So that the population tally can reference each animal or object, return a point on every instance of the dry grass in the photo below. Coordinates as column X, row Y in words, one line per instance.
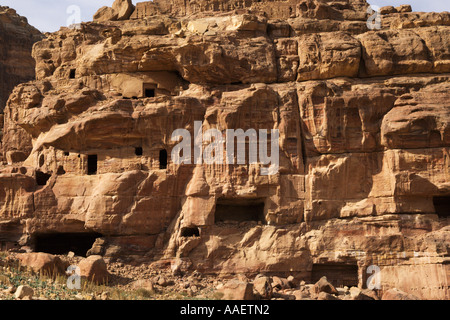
column 54, row 287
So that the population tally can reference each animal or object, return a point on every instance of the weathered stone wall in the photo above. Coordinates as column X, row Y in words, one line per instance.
column 364, row 140
column 16, row 64
column 274, row 9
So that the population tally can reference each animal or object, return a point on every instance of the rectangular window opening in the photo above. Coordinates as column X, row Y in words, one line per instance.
column 240, row 210
column 163, row 159
column 149, row 93
column 92, row 164
column 149, row 90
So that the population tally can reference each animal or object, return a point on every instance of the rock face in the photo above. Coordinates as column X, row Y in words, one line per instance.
column 16, row 64
column 362, row 191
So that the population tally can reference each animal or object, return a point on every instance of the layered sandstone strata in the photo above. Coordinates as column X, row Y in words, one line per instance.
column 16, row 64
column 363, row 117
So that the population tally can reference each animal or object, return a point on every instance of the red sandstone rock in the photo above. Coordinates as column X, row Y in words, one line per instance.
column 16, row 64
column 94, row 269
column 237, row 290
column 363, row 121
column 324, row 286
column 262, row 287
column 43, row 263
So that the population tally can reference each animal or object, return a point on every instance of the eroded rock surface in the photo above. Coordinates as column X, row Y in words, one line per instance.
column 16, row 63
column 363, row 119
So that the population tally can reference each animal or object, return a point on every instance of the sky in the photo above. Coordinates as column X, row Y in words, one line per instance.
column 50, row 15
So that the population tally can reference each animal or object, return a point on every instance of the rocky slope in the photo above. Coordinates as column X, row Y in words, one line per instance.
column 16, row 63
column 363, row 117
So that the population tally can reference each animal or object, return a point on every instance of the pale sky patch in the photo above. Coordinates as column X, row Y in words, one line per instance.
column 50, row 15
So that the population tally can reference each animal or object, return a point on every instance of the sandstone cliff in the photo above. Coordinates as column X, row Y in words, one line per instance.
column 16, row 64
column 363, row 117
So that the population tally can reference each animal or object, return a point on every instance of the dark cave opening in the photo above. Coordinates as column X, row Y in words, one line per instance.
column 442, row 206
column 240, row 210
column 42, row 178
column 149, row 93
column 41, row 160
column 138, row 151
column 163, row 159
column 339, row 275
column 72, row 73
column 62, row 243
column 92, row 164
column 190, row 232
column 60, row 171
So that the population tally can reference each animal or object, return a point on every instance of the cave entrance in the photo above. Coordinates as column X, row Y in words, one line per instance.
column 72, row 73
column 62, row 243
column 240, row 210
column 442, row 206
column 92, row 164
column 190, row 232
column 339, row 275
column 42, row 178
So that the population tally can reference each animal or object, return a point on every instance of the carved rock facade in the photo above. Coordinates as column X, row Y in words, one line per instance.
column 364, row 122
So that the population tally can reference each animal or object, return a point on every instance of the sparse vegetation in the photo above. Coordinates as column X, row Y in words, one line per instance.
column 54, row 286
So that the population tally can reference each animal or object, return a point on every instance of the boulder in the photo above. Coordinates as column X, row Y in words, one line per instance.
column 404, row 8
column 301, row 294
column 323, row 285
column 370, row 294
column 387, row 10
column 120, row 10
column 280, row 283
column 123, row 9
column 292, row 282
column 163, row 282
column 179, row 266
column 146, row 284
column 94, row 269
column 105, row 14
column 262, row 287
column 358, row 294
column 237, row 290
column 44, row 263
column 24, row 292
